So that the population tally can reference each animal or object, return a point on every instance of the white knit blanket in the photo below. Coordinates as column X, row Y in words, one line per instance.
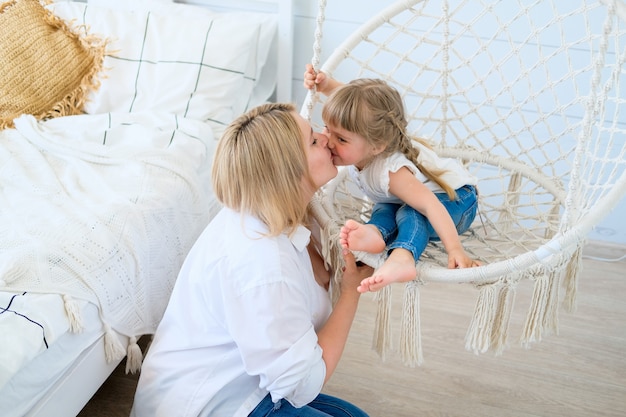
column 103, row 208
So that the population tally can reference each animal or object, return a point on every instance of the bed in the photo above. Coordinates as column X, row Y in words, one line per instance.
column 103, row 192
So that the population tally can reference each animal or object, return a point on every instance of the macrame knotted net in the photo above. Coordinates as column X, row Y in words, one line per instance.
column 530, row 96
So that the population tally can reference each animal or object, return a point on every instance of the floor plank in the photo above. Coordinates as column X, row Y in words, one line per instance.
column 579, row 372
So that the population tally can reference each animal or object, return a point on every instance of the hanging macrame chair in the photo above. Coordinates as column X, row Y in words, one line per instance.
column 530, row 96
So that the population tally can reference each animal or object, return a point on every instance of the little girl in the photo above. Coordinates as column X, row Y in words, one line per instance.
column 418, row 195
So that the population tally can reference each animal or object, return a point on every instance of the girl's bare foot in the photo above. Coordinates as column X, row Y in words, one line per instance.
column 399, row 267
column 361, row 237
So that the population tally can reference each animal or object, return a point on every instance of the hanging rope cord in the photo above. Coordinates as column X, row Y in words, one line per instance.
column 317, row 52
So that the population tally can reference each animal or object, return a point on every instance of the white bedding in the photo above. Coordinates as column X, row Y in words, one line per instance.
column 29, row 323
column 98, row 211
column 178, row 58
column 101, row 208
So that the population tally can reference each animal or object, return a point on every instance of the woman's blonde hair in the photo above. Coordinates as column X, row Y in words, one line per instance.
column 374, row 110
column 259, row 165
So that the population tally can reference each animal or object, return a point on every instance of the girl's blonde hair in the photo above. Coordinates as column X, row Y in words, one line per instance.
column 259, row 165
column 374, row 110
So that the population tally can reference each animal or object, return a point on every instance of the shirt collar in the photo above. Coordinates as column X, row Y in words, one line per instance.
column 300, row 238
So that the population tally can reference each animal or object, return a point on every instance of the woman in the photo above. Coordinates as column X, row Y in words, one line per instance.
column 249, row 329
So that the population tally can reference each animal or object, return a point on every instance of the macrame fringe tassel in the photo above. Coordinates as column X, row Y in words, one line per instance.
column 10, row 272
column 382, row 328
column 113, row 349
column 331, row 253
column 532, row 328
column 542, row 314
column 73, row 314
column 411, row 336
column 506, row 217
column 479, row 333
column 329, row 246
column 134, row 356
column 551, row 317
column 570, row 281
column 500, row 331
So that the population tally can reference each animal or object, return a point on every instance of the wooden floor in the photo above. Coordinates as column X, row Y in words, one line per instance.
column 579, row 372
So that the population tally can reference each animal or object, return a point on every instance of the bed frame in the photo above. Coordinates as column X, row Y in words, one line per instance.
column 78, row 384
column 81, row 381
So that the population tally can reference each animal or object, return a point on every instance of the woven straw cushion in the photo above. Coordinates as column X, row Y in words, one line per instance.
column 47, row 68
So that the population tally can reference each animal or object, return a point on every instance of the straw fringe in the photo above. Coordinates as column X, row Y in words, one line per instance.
column 49, row 67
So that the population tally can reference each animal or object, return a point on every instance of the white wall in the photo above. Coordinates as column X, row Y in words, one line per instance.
column 342, row 17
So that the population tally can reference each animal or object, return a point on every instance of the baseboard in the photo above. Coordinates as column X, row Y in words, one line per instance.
column 602, row 250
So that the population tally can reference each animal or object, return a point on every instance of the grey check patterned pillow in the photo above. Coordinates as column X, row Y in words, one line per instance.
column 197, row 68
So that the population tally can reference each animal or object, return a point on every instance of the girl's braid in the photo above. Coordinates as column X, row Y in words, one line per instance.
column 405, row 145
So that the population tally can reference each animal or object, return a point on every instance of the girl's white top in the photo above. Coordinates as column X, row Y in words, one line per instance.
column 373, row 180
column 241, row 323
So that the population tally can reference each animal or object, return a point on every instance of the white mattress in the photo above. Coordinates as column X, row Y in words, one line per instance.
column 27, row 375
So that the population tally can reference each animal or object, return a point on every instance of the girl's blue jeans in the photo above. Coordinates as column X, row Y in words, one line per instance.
column 404, row 227
column 322, row 406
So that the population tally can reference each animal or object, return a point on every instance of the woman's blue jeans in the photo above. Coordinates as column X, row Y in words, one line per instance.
column 404, row 227
column 322, row 406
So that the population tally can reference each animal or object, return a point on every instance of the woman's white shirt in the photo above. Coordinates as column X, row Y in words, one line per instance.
column 241, row 323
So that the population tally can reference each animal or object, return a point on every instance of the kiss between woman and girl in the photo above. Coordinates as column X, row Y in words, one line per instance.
column 250, row 330
column 417, row 195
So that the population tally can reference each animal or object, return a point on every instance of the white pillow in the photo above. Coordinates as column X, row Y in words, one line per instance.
column 201, row 66
column 265, row 62
column 263, row 67
column 124, row 4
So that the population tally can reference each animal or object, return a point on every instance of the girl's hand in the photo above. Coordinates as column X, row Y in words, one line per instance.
column 459, row 259
column 311, row 79
column 319, row 80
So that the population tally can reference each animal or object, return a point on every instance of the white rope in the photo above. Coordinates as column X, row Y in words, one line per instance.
column 446, row 69
column 317, row 44
column 317, row 52
column 591, row 111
